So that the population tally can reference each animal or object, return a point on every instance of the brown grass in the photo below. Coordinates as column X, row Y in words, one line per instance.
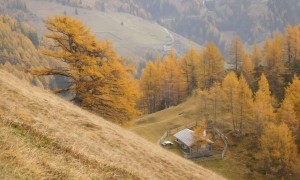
column 43, row 136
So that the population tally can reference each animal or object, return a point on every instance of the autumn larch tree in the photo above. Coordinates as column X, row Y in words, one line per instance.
column 149, row 84
column 245, row 104
column 230, row 87
column 215, row 102
column 287, row 115
column 211, row 66
column 275, row 68
column 98, row 79
column 264, row 112
column 256, row 56
column 291, row 47
column 173, row 84
column 279, row 152
column 236, row 53
column 247, row 70
column 292, row 94
column 199, row 135
column 188, row 64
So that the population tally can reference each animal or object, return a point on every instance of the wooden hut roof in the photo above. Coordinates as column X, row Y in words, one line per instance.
column 185, row 136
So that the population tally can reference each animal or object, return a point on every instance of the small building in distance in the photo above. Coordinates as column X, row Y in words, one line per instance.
column 190, row 149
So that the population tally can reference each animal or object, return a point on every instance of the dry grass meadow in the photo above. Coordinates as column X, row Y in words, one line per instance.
column 44, row 137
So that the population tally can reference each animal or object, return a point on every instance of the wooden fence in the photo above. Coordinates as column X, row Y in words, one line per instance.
column 162, row 139
column 224, row 138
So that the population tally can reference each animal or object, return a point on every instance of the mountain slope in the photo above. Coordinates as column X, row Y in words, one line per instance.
column 43, row 136
column 133, row 37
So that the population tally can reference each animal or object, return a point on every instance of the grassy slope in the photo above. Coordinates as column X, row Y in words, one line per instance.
column 239, row 161
column 153, row 126
column 132, row 39
column 43, row 136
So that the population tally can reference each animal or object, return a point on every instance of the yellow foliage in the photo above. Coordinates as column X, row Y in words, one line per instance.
column 211, row 67
column 230, row 87
column 264, row 111
column 100, row 80
column 256, row 56
column 198, row 135
column 278, row 154
column 236, row 53
column 287, row 115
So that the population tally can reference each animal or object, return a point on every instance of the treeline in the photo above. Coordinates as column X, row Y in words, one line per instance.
column 167, row 83
column 278, row 59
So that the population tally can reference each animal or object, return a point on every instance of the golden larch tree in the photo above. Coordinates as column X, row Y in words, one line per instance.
column 264, row 112
column 230, row 87
column 246, row 104
column 279, row 152
column 287, row 115
column 215, row 102
column 188, row 64
column 211, row 66
column 173, row 83
column 275, row 66
column 149, row 84
column 236, row 53
column 291, row 46
column 199, row 135
column 98, row 79
column 256, row 56
column 292, row 93
column 247, row 70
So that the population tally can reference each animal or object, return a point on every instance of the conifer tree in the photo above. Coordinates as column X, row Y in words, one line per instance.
column 99, row 80
column 287, row 115
column 199, row 132
column 291, row 47
column 275, row 67
column 173, row 84
column 188, row 65
column 230, row 87
column 292, row 94
column 264, row 112
column 216, row 101
column 246, row 111
column 211, row 66
column 256, row 56
column 236, row 53
column 278, row 154
column 247, row 69
column 150, row 87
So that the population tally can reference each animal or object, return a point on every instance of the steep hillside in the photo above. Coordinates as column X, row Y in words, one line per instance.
column 43, row 136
